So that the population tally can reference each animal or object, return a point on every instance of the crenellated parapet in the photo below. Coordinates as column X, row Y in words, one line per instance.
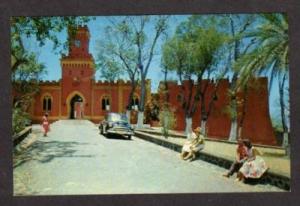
column 50, row 83
column 255, row 82
column 112, row 83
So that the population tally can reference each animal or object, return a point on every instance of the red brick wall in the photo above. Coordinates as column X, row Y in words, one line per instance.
column 52, row 90
column 219, row 123
column 257, row 123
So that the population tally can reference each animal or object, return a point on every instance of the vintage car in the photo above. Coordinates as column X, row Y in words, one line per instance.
column 116, row 124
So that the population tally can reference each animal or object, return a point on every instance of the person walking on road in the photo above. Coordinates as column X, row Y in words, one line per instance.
column 241, row 157
column 191, row 147
column 45, row 124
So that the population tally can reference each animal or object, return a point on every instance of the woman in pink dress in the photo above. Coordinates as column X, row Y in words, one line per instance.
column 45, row 124
column 254, row 167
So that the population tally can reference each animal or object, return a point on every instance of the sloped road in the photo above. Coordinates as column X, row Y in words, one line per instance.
column 76, row 159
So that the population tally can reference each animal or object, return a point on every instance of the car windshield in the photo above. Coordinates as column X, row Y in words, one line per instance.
column 117, row 117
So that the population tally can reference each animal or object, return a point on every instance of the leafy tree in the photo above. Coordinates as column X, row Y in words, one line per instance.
column 145, row 50
column 237, row 26
column 117, row 57
column 135, row 47
column 269, row 56
column 192, row 54
column 167, row 121
column 152, row 108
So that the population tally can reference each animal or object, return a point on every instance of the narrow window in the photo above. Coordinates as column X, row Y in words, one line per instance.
column 47, row 103
column 105, row 104
column 135, row 103
column 44, row 104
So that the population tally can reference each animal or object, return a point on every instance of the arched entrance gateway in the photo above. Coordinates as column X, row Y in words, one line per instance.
column 75, row 104
column 76, row 107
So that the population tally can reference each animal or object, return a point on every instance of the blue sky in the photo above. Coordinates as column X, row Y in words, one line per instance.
column 51, row 59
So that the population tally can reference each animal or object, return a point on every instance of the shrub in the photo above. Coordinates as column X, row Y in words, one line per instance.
column 167, row 121
column 20, row 120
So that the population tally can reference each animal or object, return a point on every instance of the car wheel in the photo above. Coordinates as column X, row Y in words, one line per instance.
column 129, row 137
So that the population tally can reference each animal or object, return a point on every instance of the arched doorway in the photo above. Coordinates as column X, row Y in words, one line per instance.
column 76, row 107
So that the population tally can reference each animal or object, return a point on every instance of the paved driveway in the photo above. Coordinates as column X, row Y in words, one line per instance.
column 76, row 159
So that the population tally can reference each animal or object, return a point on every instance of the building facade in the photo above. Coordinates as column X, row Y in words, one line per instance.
column 77, row 95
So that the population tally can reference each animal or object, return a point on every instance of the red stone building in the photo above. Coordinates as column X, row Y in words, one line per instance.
column 257, row 124
column 77, row 95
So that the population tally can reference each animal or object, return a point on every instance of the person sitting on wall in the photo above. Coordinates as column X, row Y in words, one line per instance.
column 241, row 157
column 254, row 167
column 45, row 124
column 191, row 147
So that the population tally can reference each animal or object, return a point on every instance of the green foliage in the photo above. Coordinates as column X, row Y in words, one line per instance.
column 130, row 45
column 277, row 126
column 20, row 120
column 44, row 28
column 110, row 69
column 192, row 50
column 271, row 51
column 167, row 121
column 116, row 55
column 152, row 108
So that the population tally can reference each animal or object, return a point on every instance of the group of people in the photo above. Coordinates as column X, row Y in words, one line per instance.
column 248, row 162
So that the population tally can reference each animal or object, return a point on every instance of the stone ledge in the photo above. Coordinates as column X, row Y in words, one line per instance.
column 270, row 177
column 178, row 135
column 21, row 135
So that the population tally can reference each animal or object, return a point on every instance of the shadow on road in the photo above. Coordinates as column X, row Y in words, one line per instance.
column 116, row 137
column 45, row 152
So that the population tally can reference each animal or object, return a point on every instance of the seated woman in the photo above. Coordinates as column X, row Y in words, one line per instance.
column 240, row 158
column 191, row 147
column 254, row 167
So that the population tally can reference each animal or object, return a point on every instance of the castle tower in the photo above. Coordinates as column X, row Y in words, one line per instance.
column 77, row 76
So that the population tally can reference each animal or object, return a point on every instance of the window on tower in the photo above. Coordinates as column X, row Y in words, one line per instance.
column 77, row 43
column 105, row 103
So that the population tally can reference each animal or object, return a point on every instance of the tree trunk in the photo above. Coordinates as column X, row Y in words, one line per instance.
column 140, row 121
column 233, row 130
column 166, row 89
column 285, row 142
column 241, row 123
column 128, row 113
column 129, row 101
column 142, row 103
column 188, row 125
column 203, row 126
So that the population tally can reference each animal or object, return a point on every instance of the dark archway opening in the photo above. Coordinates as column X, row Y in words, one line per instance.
column 73, row 101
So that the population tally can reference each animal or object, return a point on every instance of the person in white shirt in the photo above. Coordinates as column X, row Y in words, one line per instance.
column 191, row 147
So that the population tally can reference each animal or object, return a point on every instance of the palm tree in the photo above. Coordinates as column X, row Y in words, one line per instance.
column 270, row 55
